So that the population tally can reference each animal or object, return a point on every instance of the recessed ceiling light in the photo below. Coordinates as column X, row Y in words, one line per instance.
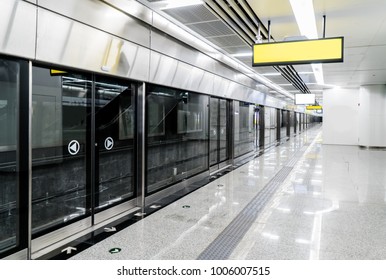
column 305, row 18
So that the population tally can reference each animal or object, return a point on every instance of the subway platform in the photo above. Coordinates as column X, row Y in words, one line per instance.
column 301, row 200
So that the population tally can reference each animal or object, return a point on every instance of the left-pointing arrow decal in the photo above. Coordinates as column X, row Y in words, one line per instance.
column 73, row 147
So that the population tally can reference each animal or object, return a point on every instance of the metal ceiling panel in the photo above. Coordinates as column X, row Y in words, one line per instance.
column 191, row 14
column 227, row 41
column 211, row 28
column 239, row 49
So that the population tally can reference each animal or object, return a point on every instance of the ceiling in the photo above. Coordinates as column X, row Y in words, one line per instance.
column 362, row 23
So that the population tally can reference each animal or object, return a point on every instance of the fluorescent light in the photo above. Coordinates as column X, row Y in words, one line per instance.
column 330, row 86
column 171, row 4
column 305, row 73
column 249, row 54
column 271, row 74
column 318, row 72
column 305, row 18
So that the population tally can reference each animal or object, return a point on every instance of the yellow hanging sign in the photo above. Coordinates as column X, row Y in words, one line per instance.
column 298, row 52
column 314, row 107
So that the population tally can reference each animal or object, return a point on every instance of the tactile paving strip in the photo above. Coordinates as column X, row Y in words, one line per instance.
column 222, row 247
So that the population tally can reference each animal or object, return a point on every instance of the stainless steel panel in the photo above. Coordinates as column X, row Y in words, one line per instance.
column 114, row 212
column 168, row 71
column 222, row 65
column 17, row 28
column 141, row 146
column 69, row 43
column 167, row 45
column 186, row 47
column 53, row 240
column 206, row 83
column 222, row 87
column 133, row 8
column 162, row 69
column 190, row 49
column 102, row 16
column 30, row 112
column 274, row 102
column 21, row 255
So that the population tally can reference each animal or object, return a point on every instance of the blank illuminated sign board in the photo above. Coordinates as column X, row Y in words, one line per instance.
column 314, row 107
column 304, row 99
column 298, row 52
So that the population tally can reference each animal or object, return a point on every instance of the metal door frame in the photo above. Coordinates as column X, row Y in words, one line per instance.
column 219, row 165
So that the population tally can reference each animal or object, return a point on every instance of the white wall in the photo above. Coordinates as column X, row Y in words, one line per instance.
column 340, row 116
column 372, row 116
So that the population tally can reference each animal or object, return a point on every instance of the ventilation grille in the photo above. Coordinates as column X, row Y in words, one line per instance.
column 211, row 29
column 204, row 22
column 191, row 14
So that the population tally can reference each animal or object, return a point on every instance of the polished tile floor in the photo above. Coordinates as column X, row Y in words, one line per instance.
column 301, row 200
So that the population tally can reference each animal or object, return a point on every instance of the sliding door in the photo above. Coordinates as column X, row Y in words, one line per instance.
column 13, row 157
column 219, row 133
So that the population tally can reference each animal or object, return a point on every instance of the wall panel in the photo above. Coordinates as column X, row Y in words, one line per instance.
column 103, row 17
column 340, row 116
column 17, row 28
column 66, row 42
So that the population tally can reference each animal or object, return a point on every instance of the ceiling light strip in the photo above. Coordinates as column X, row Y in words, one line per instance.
column 296, row 74
column 254, row 17
column 288, row 75
column 243, row 16
column 212, row 5
column 224, row 6
column 305, row 17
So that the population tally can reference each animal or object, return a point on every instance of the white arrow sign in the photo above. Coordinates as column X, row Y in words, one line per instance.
column 109, row 143
column 73, row 147
column 110, row 229
column 68, row 250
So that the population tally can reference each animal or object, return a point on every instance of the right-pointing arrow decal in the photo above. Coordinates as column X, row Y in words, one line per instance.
column 109, row 143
